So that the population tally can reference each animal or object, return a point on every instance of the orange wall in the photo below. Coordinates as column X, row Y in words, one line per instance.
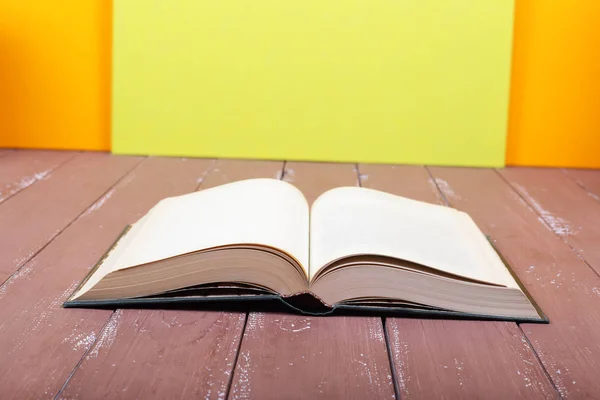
column 555, row 96
column 55, row 73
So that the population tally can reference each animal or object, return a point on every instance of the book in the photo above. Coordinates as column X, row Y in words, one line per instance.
column 355, row 250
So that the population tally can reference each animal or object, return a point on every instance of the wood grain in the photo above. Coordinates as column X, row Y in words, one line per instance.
column 21, row 169
column 553, row 196
column 465, row 360
column 454, row 359
column 589, row 179
column 42, row 342
column 170, row 354
column 312, row 357
column 566, row 289
column 296, row 357
column 160, row 355
column 29, row 220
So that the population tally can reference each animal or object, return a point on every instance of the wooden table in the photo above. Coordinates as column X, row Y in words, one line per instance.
column 59, row 211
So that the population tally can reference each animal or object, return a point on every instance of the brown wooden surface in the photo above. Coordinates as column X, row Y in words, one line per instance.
column 566, row 289
column 21, row 169
column 566, row 209
column 33, row 218
column 460, row 359
column 57, row 226
column 160, row 355
column 297, row 357
column 313, row 357
column 588, row 179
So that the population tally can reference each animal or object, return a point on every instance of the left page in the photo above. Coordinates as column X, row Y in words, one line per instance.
column 264, row 212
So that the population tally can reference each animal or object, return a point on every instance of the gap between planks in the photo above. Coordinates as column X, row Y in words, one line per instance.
column 539, row 360
column 386, row 335
column 61, row 230
column 543, row 219
column 423, row 186
column 32, row 177
column 279, row 176
column 313, row 357
column 559, row 280
column 533, row 350
column 588, row 180
column 111, row 318
column 234, row 172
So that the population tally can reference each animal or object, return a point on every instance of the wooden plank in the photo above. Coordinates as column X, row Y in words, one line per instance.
column 554, row 196
column 567, row 290
column 42, row 342
column 226, row 171
column 170, row 354
column 311, row 357
column 589, row 179
column 21, row 169
column 29, row 220
column 464, row 360
column 160, row 355
column 458, row 359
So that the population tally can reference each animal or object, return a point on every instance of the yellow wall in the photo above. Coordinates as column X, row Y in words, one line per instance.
column 420, row 81
column 555, row 94
column 55, row 73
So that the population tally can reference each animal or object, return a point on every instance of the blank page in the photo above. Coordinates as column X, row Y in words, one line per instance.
column 265, row 212
column 356, row 221
column 256, row 211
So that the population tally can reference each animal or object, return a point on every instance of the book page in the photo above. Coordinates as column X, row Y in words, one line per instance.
column 355, row 221
column 265, row 212
column 256, row 211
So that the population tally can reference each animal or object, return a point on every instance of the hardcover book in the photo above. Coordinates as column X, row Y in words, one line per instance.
column 355, row 250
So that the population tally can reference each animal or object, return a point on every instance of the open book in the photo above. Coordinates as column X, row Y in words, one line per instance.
column 354, row 249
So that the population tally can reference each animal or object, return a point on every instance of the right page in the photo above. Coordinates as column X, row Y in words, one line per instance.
column 358, row 221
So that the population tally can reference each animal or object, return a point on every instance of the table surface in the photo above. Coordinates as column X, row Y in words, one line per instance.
column 59, row 211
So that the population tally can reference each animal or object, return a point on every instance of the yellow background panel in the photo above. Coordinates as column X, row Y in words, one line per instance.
column 423, row 81
column 555, row 99
column 55, row 74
